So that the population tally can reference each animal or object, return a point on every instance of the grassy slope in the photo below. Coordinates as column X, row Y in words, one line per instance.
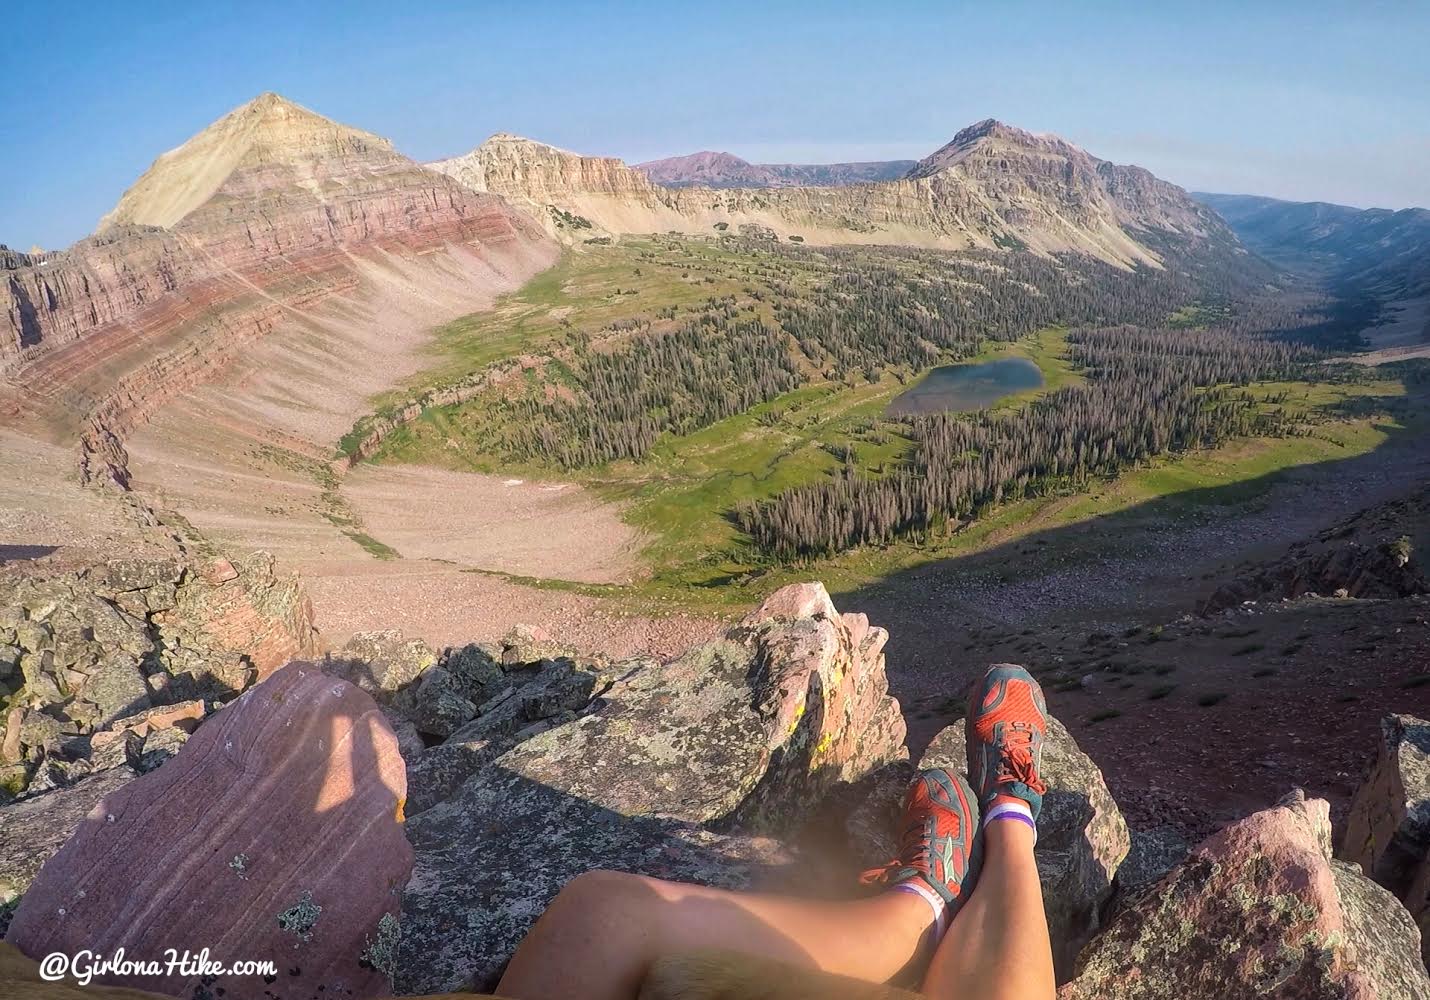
column 681, row 495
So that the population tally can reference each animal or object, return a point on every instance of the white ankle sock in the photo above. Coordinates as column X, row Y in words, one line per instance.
column 933, row 899
column 1017, row 810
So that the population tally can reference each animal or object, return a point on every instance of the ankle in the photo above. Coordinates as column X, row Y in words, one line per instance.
column 934, row 909
column 1010, row 832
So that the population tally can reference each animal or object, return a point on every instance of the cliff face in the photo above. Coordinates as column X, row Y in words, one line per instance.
column 991, row 187
column 570, row 194
column 264, row 216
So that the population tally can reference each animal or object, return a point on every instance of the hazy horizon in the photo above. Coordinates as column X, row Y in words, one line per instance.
column 1301, row 102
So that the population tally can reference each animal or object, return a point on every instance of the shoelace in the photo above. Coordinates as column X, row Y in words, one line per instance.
column 913, row 853
column 1015, row 763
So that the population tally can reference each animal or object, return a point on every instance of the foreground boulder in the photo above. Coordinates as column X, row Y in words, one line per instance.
column 1388, row 829
column 275, row 834
column 1259, row 910
column 1082, row 837
column 673, row 770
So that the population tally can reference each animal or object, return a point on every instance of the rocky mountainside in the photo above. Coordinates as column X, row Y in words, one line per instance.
column 1360, row 240
column 723, row 170
column 455, row 770
column 1381, row 253
column 992, row 187
column 251, row 228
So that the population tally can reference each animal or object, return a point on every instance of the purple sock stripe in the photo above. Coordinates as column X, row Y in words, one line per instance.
column 1014, row 814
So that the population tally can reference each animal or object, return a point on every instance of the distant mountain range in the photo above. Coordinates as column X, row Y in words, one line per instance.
column 275, row 218
column 992, row 187
column 725, row 170
column 1376, row 250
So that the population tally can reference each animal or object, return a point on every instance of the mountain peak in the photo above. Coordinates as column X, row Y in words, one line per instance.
column 268, row 130
column 966, row 140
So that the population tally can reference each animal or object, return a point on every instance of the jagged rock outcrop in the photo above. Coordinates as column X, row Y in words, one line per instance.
column 1370, row 554
column 724, row 170
column 90, row 651
column 658, row 772
column 265, row 215
column 1258, row 910
column 474, row 702
column 1082, row 837
column 992, row 187
column 1388, row 828
column 301, row 759
column 1348, row 570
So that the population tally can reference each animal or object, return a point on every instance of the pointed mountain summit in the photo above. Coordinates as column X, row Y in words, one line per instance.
column 987, row 134
column 276, row 251
column 269, row 131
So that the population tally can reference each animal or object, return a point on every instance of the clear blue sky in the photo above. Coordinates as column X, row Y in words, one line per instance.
column 1302, row 100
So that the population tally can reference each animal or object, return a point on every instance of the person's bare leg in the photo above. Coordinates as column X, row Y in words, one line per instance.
column 602, row 932
column 997, row 947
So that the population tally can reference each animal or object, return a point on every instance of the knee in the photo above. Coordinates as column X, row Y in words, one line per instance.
column 600, row 891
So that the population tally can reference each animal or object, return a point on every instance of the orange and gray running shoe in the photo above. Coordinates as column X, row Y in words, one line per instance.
column 940, row 848
column 1007, row 723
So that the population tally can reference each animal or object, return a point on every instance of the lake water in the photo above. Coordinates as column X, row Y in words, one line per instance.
column 967, row 387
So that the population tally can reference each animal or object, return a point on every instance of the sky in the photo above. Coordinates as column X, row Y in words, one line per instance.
column 1303, row 100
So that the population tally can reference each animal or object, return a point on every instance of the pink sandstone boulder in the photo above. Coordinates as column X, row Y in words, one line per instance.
column 1259, row 910
column 274, row 835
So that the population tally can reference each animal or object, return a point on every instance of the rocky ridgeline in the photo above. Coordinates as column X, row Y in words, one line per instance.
column 442, row 799
column 992, row 187
column 245, row 230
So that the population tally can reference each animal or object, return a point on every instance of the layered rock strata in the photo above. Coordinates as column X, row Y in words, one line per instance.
column 245, row 230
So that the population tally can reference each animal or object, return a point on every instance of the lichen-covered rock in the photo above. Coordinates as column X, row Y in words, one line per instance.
column 275, row 834
column 443, row 769
column 1153, row 854
column 749, row 732
column 513, row 714
column 438, row 705
column 528, row 644
column 491, row 859
column 117, row 688
column 96, row 644
column 477, row 670
column 1259, row 910
column 381, row 663
column 1388, row 828
column 1082, row 837
column 149, row 752
column 264, row 616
